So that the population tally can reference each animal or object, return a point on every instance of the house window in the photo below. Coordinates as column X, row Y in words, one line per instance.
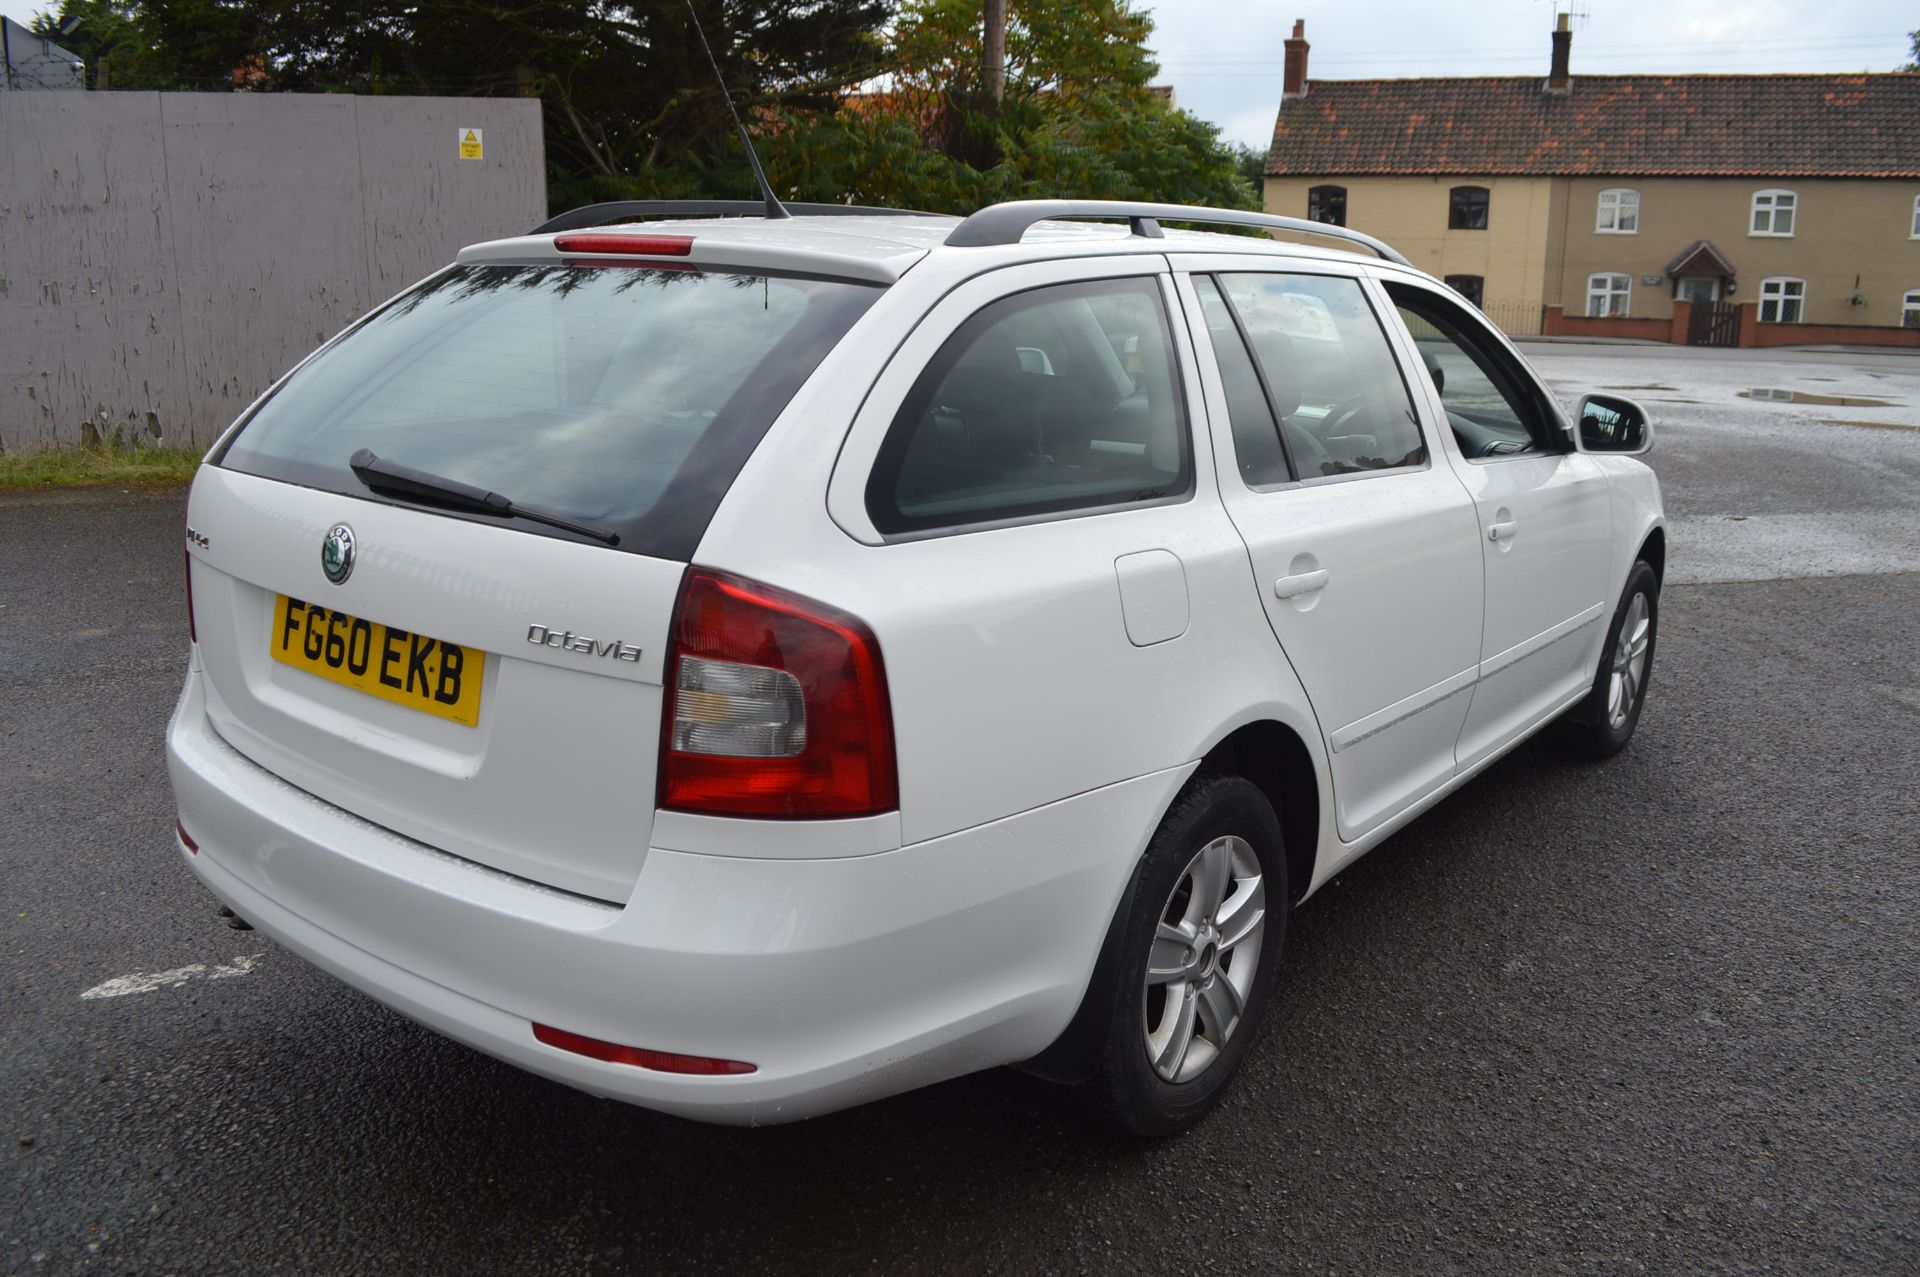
column 1467, row 209
column 1327, row 204
column 1910, row 309
column 1782, row 300
column 1471, row 287
column 1619, row 212
column 1608, row 294
column 1773, row 212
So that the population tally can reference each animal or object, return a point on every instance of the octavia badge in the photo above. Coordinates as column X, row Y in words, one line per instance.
column 336, row 553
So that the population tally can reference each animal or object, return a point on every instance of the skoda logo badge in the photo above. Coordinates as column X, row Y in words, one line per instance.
column 336, row 553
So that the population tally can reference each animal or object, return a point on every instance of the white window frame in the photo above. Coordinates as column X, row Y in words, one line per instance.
column 1910, row 309
column 1774, row 290
column 1915, row 234
column 1602, row 288
column 1771, row 204
column 1617, row 212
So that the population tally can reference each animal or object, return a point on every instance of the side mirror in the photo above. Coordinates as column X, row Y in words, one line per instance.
column 1608, row 423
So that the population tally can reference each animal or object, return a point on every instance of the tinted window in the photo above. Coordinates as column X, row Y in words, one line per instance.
column 1327, row 204
column 1335, row 386
column 1490, row 404
column 627, row 398
column 1471, row 287
column 1058, row 399
column 1467, row 208
column 1256, row 441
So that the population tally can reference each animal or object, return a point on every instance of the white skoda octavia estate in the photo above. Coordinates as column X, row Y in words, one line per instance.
column 751, row 665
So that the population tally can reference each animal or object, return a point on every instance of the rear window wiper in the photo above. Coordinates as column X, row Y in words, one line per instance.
column 404, row 481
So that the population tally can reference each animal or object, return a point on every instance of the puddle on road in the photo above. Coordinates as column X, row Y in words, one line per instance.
column 1870, row 425
column 1807, row 396
column 1652, row 385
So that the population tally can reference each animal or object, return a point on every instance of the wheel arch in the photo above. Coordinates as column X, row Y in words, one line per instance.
column 1654, row 551
column 1275, row 757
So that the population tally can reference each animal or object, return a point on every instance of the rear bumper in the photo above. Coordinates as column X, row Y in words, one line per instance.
column 842, row 980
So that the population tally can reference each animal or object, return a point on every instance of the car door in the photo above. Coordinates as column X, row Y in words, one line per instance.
column 1544, row 514
column 1364, row 547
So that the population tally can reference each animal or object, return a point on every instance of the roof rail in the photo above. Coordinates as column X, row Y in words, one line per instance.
column 1008, row 223
column 617, row 210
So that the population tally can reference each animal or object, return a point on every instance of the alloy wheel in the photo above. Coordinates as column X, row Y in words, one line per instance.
column 1629, row 662
column 1206, row 952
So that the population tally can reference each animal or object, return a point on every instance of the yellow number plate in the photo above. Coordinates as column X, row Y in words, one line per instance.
column 421, row 673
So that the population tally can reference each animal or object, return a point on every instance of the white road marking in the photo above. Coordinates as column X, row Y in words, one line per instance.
column 148, row 981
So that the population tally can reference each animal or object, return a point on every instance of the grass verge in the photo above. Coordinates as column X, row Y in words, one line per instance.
column 122, row 465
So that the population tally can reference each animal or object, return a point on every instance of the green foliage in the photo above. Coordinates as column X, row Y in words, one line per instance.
column 117, row 37
column 1076, row 120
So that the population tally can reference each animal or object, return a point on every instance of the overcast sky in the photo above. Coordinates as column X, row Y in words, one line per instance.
column 1223, row 57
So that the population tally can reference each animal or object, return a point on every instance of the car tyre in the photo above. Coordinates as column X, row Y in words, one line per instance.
column 1199, row 948
column 1601, row 725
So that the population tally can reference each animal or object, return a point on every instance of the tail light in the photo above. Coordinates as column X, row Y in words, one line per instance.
column 776, row 706
column 193, row 632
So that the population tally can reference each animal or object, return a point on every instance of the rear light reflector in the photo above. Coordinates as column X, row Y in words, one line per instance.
column 776, row 706
column 186, row 839
column 626, row 245
column 193, row 631
column 638, row 1056
column 747, row 711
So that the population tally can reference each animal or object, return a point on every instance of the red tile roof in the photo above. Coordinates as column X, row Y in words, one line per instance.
column 1626, row 125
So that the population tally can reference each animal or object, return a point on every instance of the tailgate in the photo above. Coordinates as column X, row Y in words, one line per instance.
column 554, row 779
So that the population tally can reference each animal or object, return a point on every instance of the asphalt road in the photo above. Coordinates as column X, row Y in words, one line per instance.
column 1653, row 1015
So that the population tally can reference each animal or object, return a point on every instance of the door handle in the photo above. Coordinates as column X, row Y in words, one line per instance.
column 1501, row 531
column 1288, row 587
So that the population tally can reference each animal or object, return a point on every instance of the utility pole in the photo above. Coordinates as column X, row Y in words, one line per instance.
column 996, row 50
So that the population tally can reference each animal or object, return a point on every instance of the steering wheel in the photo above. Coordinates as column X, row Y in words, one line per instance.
column 1338, row 417
column 1309, row 454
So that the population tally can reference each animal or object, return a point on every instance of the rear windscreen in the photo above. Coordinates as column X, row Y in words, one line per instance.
column 622, row 397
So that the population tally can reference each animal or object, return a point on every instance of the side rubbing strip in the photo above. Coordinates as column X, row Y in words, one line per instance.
column 1400, row 711
column 1541, row 642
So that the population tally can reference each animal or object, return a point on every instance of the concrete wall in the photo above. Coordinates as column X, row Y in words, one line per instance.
column 1850, row 237
column 165, row 256
column 1410, row 213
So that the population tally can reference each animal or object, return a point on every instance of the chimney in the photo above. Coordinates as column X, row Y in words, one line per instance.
column 1295, row 84
column 1559, row 79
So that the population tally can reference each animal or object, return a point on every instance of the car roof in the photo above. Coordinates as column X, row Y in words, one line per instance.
column 880, row 248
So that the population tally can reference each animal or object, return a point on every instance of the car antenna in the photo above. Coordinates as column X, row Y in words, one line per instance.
column 775, row 209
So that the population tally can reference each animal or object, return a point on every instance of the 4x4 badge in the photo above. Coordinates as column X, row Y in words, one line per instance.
column 336, row 553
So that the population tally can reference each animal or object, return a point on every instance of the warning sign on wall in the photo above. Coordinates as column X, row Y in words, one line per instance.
column 470, row 144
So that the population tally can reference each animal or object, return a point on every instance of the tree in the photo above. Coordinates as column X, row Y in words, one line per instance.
column 1913, row 38
column 1075, row 117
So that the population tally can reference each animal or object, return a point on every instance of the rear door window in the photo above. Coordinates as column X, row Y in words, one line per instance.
column 1059, row 399
column 623, row 397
